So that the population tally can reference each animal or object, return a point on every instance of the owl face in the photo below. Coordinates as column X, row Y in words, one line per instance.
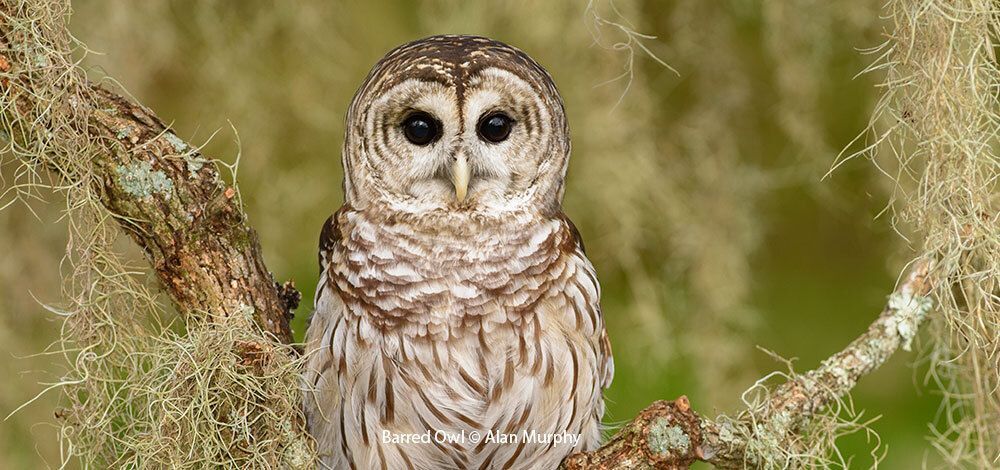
column 456, row 123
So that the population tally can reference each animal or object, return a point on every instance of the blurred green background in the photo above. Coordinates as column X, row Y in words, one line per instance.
column 700, row 194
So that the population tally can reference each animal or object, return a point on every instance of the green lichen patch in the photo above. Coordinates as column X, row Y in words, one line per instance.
column 912, row 310
column 139, row 180
column 194, row 165
column 123, row 132
column 194, row 161
column 664, row 438
column 175, row 142
column 41, row 59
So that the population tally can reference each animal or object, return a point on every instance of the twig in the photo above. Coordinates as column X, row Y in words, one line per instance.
column 671, row 435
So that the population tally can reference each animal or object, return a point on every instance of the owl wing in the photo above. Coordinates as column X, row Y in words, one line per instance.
column 322, row 401
column 329, row 238
column 589, row 301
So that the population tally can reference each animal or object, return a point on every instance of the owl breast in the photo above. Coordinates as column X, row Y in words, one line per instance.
column 455, row 350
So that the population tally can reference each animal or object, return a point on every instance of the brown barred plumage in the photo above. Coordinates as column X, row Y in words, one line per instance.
column 448, row 315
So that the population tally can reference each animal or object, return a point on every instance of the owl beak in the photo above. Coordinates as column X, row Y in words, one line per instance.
column 460, row 175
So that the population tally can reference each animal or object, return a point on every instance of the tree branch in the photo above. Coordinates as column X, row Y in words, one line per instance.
column 173, row 203
column 671, row 435
column 163, row 192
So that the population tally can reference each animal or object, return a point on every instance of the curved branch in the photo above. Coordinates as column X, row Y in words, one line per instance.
column 671, row 435
column 174, row 204
column 164, row 194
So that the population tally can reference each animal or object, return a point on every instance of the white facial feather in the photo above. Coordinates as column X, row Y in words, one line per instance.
column 522, row 172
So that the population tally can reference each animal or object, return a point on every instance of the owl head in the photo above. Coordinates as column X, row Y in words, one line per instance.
column 456, row 124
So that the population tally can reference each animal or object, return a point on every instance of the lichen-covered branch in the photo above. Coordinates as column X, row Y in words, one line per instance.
column 137, row 393
column 672, row 435
column 165, row 195
column 173, row 203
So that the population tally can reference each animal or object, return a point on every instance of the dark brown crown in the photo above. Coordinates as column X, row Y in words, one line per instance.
column 450, row 59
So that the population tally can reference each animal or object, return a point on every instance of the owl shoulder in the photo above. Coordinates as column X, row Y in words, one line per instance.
column 330, row 237
column 575, row 238
column 591, row 301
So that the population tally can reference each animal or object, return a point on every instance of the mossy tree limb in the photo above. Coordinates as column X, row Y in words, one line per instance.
column 160, row 189
column 671, row 435
column 177, row 208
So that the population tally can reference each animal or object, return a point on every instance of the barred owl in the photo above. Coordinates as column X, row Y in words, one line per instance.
column 457, row 321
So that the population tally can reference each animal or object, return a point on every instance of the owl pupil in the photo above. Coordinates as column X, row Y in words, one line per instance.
column 495, row 127
column 421, row 129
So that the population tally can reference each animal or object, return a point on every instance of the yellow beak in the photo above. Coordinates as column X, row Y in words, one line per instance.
column 460, row 175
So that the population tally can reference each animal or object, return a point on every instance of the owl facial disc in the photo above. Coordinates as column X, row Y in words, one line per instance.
column 458, row 125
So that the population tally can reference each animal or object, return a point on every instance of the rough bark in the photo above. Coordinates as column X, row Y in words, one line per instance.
column 173, row 203
column 165, row 194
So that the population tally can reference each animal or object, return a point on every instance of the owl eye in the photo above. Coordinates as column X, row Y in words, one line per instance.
column 495, row 127
column 421, row 129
